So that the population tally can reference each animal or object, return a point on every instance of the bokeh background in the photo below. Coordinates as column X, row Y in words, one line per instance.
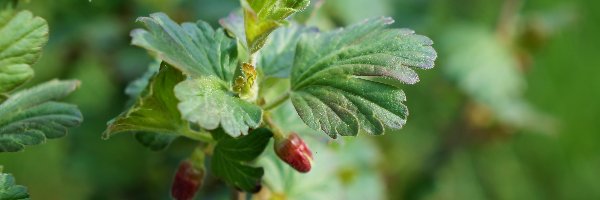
column 511, row 110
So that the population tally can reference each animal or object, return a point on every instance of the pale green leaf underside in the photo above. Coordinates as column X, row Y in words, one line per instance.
column 9, row 190
column 207, row 102
column 31, row 116
column 21, row 41
column 261, row 17
column 194, row 48
column 155, row 110
column 339, row 78
column 154, row 141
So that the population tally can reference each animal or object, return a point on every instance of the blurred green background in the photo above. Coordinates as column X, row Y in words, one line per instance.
column 509, row 112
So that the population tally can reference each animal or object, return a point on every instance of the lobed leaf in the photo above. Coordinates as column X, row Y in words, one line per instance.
column 23, row 36
column 348, row 80
column 194, row 48
column 155, row 110
column 30, row 116
column 261, row 17
column 231, row 157
column 209, row 57
column 208, row 102
column 9, row 190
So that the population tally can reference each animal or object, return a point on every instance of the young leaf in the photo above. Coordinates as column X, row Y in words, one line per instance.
column 339, row 78
column 23, row 36
column 261, row 17
column 30, row 116
column 194, row 48
column 208, row 102
column 231, row 155
column 208, row 56
column 155, row 110
column 277, row 56
column 9, row 190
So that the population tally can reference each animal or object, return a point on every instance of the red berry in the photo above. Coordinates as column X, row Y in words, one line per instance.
column 294, row 152
column 186, row 182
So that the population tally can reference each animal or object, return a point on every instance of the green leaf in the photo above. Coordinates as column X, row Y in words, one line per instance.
column 232, row 155
column 155, row 110
column 194, row 48
column 341, row 79
column 30, row 116
column 261, row 17
column 347, row 170
column 277, row 56
column 234, row 25
column 9, row 190
column 136, row 87
column 23, row 36
column 321, row 183
column 209, row 57
column 207, row 102
column 154, row 141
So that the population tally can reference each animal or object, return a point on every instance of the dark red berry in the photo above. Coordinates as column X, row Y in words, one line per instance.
column 294, row 152
column 186, row 182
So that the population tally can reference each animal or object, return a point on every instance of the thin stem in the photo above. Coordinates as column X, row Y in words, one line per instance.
column 198, row 135
column 197, row 158
column 277, row 133
column 280, row 100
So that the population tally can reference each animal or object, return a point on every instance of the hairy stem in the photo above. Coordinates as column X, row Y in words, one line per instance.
column 277, row 133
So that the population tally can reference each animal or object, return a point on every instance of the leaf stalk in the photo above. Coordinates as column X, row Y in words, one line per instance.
column 277, row 102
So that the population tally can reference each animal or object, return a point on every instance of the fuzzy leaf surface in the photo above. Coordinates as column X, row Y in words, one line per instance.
column 348, row 80
column 194, row 48
column 209, row 57
column 232, row 155
column 23, row 36
column 261, row 17
column 31, row 116
column 9, row 190
column 208, row 102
